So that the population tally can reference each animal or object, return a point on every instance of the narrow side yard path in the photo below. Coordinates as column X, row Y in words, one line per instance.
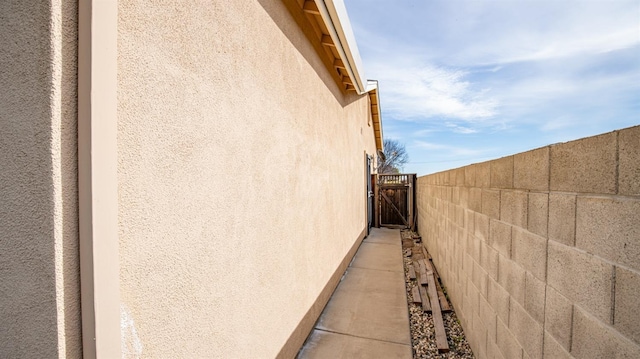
column 367, row 316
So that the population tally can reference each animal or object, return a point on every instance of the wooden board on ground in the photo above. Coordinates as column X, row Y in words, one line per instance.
column 438, row 322
column 444, row 304
column 426, row 304
column 423, row 271
column 412, row 272
column 415, row 293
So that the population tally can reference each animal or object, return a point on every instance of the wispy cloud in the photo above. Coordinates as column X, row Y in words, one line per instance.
column 426, row 91
column 450, row 150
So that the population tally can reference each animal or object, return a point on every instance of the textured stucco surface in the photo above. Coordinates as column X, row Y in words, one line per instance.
column 565, row 244
column 241, row 176
column 39, row 292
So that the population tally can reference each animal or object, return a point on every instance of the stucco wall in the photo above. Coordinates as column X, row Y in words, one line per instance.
column 39, row 275
column 540, row 251
column 241, row 176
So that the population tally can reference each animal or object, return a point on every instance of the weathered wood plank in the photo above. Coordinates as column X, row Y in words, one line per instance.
column 441, row 335
column 412, row 272
column 444, row 304
column 423, row 272
column 415, row 293
column 426, row 303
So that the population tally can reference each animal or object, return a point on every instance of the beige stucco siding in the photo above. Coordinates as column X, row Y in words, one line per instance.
column 241, row 176
column 39, row 275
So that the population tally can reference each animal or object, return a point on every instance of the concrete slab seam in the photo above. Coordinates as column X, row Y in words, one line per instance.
column 360, row 337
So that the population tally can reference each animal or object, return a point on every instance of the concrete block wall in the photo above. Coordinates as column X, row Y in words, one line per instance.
column 540, row 251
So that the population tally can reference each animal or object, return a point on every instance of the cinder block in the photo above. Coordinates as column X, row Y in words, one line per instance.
column 475, row 199
column 451, row 211
column 460, row 172
column 481, row 228
column 511, row 277
column 479, row 336
column 629, row 161
column 493, row 352
column 610, row 228
column 507, row 342
column 489, row 260
column 445, row 180
column 447, row 194
column 498, row 298
column 530, row 251
column 627, row 308
column 474, row 296
column 459, row 216
column 488, row 317
column 534, row 297
column 474, row 248
column 464, row 197
column 500, row 237
column 587, row 165
column 531, row 170
column 469, row 221
column 584, row 279
column 470, row 176
column 480, row 279
column 558, row 313
column 491, row 203
column 513, row 207
column 452, row 177
column 593, row 339
column 455, row 195
column 502, row 172
column 538, row 213
column 526, row 330
column 562, row 218
column 483, row 174
column 553, row 350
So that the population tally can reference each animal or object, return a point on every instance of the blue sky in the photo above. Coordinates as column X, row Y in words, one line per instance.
column 467, row 81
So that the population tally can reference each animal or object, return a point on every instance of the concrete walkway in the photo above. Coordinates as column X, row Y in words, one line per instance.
column 367, row 316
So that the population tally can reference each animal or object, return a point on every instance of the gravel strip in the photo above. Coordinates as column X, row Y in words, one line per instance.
column 423, row 337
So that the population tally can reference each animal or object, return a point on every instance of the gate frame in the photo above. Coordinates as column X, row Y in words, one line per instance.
column 405, row 180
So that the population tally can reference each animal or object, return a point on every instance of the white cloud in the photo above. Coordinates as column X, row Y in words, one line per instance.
column 460, row 129
column 425, row 91
column 449, row 150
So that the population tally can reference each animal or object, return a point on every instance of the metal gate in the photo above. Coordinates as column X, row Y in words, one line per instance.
column 396, row 200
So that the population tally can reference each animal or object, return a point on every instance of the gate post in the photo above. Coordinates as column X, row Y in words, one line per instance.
column 376, row 201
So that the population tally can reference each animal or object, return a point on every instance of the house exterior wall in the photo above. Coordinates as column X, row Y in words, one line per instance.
column 241, row 177
column 540, row 251
column 39, row 275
